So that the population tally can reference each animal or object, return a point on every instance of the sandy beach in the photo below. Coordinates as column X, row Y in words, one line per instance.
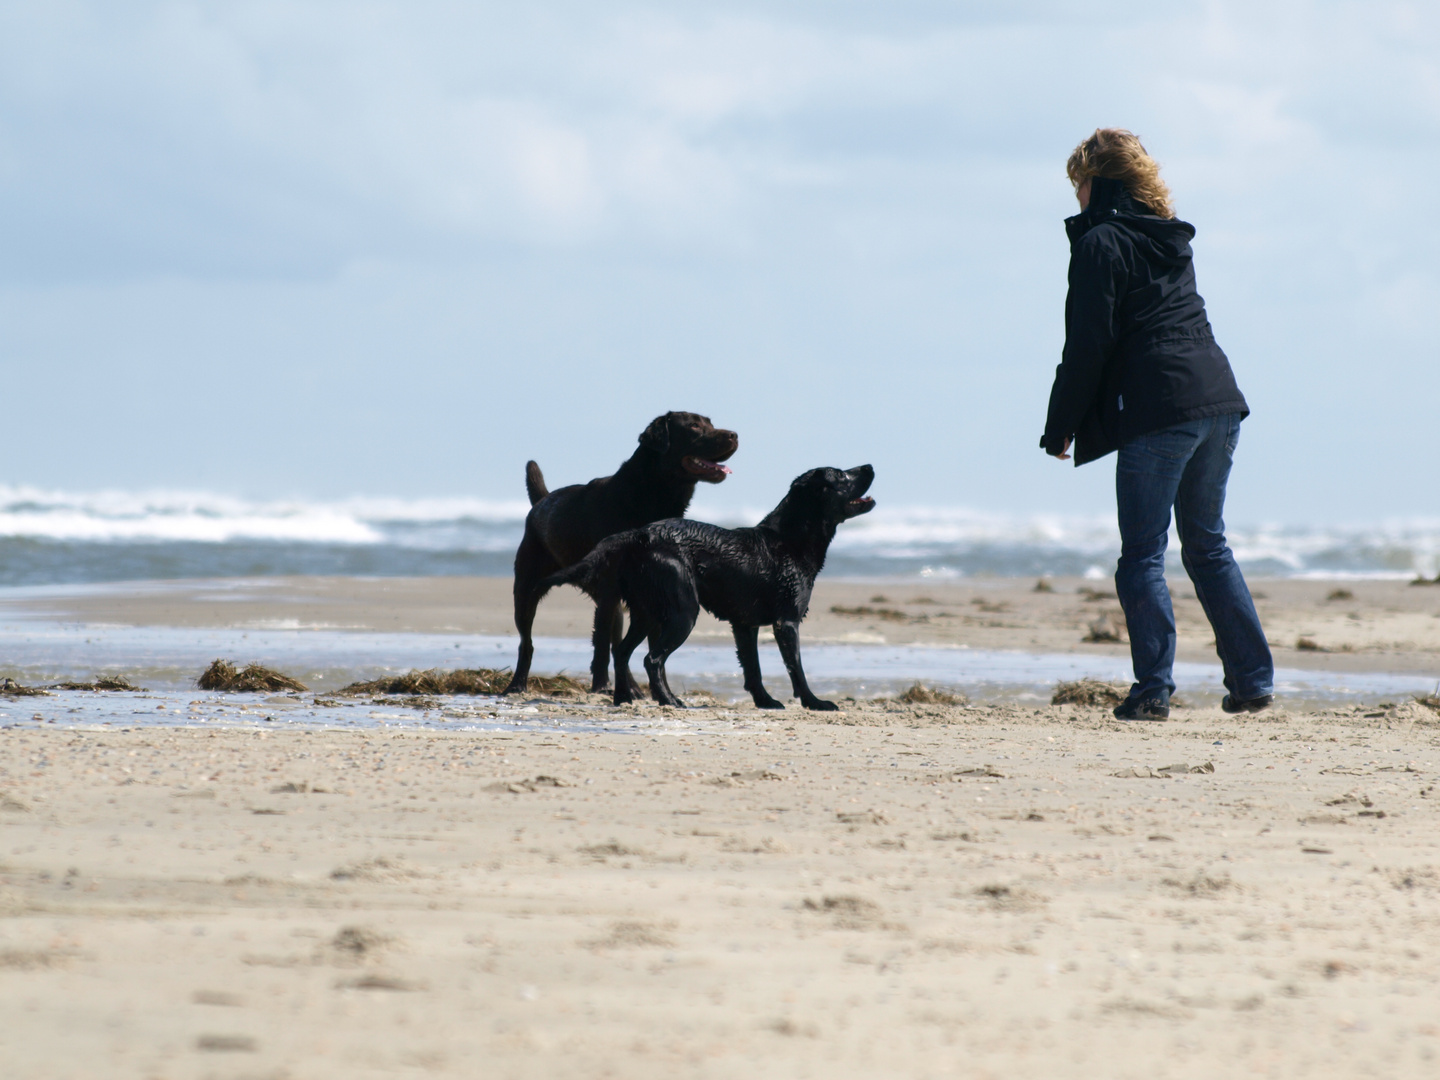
column 892, row 890
column 1353, row 625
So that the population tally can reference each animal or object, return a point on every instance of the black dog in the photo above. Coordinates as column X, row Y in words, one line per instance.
column 676, row 451
column 763, row 576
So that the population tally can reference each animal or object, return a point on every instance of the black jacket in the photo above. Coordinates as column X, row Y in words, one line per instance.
column 1139, row 352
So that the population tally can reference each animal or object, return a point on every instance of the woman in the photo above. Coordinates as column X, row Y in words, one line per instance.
column 1141, row 373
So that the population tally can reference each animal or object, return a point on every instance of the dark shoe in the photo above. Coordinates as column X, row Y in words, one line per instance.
column 1254, row 704
column 1146, row 709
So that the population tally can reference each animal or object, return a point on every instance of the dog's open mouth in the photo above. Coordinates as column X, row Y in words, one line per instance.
column 711, row 472
column 863, row 505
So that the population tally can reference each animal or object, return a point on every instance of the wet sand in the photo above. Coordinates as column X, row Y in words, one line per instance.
column 1378, row 626
column 896, row 891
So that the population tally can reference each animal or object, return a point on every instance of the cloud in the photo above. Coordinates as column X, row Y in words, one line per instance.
column 571, row 189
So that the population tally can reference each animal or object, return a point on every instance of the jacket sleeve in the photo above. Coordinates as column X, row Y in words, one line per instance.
column 1097, row 281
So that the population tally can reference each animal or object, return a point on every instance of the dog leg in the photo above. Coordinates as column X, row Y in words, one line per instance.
column 659, row 685
column 608, row 629
column 532, row 563
column 748, row 650
column 624, row 671
column 787, row 636
column 669, row 624
column 625, row 689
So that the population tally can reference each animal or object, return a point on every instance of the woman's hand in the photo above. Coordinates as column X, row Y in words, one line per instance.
column 1063, row 455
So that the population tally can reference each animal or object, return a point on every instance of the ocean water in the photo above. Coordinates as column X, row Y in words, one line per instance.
column 55, row 537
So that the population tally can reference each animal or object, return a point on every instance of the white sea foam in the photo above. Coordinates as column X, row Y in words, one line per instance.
column 940, row 542
column 203, row 517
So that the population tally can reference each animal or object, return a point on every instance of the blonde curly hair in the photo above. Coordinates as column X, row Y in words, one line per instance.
column 1117, row 154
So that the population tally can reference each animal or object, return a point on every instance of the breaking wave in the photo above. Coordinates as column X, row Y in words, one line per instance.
column 63, row 537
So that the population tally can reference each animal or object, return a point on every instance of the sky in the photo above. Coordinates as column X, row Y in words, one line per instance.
column 328, row 249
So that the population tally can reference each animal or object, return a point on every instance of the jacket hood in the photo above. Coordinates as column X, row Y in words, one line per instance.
column 1167, row 239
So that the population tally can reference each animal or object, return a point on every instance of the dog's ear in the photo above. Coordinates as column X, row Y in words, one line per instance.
column 657, row 436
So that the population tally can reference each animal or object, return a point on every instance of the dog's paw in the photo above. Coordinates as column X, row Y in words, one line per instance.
column 770, row 703
column 822, row 706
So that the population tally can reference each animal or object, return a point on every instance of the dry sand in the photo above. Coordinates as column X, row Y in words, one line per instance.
column 907, row 892
column 892, row 891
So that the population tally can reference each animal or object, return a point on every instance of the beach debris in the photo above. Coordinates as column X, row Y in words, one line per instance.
column 227, row 1044
column 1430, row 701
column 1043, row 585
column 101, row 683
column 436, row 681
column 1307, row 644
column 521, row 787
column 1093, row 595
column 979, row 770
column 374, row 981
column 1165, row 772
column 920, row 694
column 11, row 688
column 1105, row 629
column 990, row 607
column 611, row 849
column 10, row 804
column 862, row 817
column 379, row 869
column 1421, row 579
column 1009, row 897
column 849, row 912
column 354, row 943
column 1340, row 594
column 303, row 787
column 253, row 678
column 865, row 611
column 432, row 682
column 422, row 703
column 1202, row 885
column 1091, row 693
column 631, row 935
column 1350, row 798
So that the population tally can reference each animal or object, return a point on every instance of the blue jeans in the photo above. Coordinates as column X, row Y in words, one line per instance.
column 1184, row 466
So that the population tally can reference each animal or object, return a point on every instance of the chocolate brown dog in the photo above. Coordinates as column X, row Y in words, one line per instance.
column 677, row 451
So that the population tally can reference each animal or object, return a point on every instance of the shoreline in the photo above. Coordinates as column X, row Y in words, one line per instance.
column 1354, row 626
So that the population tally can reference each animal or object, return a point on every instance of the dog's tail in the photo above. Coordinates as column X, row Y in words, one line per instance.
column 589, row 575
column 535, row 483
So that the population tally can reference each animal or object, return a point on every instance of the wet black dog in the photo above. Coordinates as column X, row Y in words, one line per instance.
column 676, row 451
column 668, row 571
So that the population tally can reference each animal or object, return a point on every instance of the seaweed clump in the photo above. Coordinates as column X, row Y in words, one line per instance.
column 920, row 694
column 1092, row 693
column 866, row 611
column 462, row 681
column 100, row 683
column 223, row 675
column 11, row 688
